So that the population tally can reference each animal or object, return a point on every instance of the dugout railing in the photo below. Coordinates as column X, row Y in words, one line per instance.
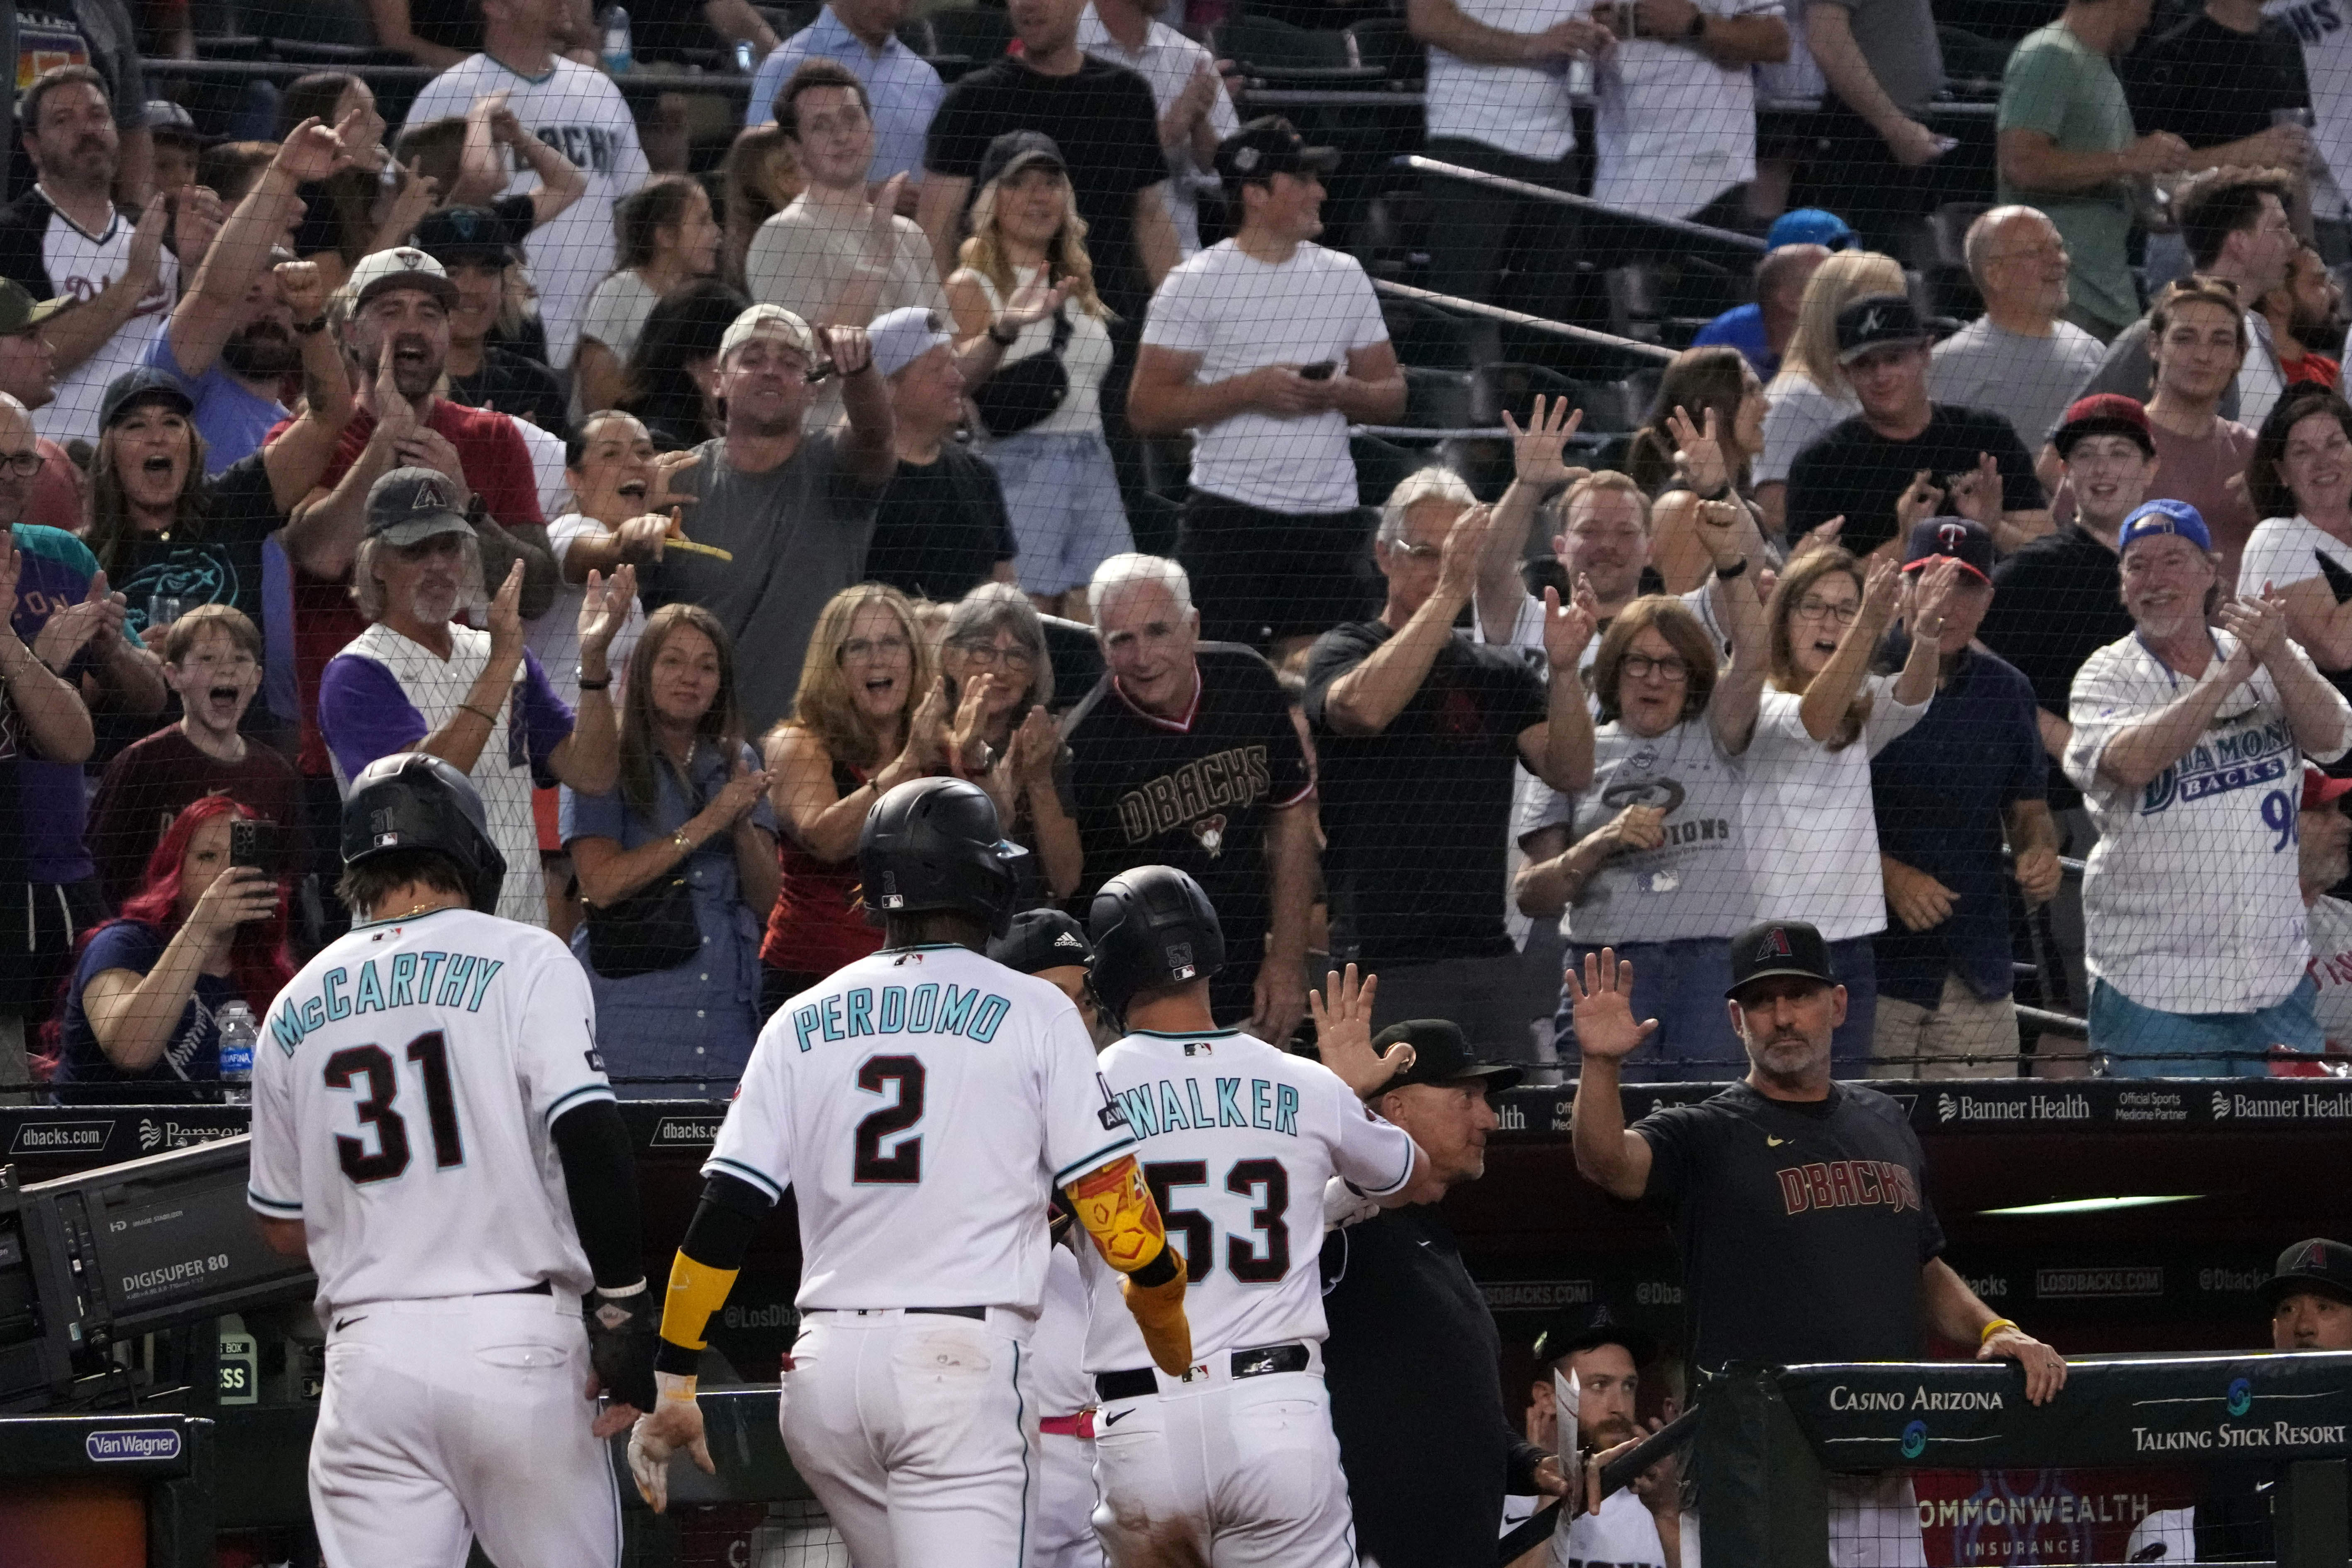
column 1773, row 1458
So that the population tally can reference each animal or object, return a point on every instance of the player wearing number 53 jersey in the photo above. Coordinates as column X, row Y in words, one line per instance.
column 431, row 1124
column 923, row 1103
column 1233, row 1462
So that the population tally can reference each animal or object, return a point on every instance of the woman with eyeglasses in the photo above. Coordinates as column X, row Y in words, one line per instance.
column 999, row 682
column 1652, row 859
column 868, row 716
column 1813, row 834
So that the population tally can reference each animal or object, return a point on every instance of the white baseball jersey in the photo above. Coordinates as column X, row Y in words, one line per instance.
column 2190, row 898
column 577, row 112
column 1238, row 1139
column 56, row 258
column 403, row 1090
column 921, row 1102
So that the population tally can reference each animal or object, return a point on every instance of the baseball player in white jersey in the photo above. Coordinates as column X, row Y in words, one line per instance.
column 1052, row 946
column 431, row 1124
column 922, row 1103
column 1233, row 1462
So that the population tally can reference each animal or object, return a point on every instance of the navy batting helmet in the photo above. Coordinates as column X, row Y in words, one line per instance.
column 936, row 844
column 412, row 800
column 1153, row 926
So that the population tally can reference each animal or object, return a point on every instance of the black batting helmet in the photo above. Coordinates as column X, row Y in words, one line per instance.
column 1153, row 926
column 412, row 800
column 936, row 844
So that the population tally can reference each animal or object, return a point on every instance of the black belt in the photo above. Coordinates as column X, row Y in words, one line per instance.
column 541, row 1288
column 977, row 1314
column 1137, row 1381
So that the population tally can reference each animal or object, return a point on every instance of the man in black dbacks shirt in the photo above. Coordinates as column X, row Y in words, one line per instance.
column 1416, row 1396
column 1799, row 1204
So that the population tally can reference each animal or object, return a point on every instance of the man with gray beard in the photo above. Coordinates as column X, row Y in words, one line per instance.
column 1799, row 1204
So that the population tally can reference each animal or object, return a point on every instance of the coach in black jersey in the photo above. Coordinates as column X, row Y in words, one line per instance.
column 1187, row 754
column 1799, row 1204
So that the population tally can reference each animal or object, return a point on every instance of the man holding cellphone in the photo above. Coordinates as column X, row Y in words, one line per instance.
column 1245, row 345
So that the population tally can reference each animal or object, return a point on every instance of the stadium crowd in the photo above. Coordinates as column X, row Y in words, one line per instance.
column 687, row 517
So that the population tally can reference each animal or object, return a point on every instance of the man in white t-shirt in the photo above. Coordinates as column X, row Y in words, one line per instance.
column 1267, row 346
column 1195, row 111
column 2189, row 745
column 1674, row 112
column 1499, row 101
column 831, row 256
column 578, row 110
column 2324, row 859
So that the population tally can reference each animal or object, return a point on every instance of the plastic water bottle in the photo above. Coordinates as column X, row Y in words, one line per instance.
column 238, row 1035
column 619, row 52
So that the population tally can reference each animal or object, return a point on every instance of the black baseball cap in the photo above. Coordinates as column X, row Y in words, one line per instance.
column 20, row 313
column 408, row 506
column 1963, row 539
column 136, row 389
column 1875, row 320
column 1574, row 1329
column 2318, row 1265
column 1271, row 145
column 1014, row 150
column 1042, row 939
column 464, row 234
column 1778, row 947
column 1441, row 1055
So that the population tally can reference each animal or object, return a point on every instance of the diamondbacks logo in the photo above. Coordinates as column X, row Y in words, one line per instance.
column 2309, row 1257
column 1774, row 945
column 432, row 495
column 1210, row 832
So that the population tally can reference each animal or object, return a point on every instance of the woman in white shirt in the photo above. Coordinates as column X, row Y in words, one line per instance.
column 2300, row 480
column 1810, row 397
column 1055, row 470
column 1813, row 837
column 667, row 237
column 1651, row 861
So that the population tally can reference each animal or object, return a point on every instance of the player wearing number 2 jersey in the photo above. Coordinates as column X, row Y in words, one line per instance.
column 1233, row 1462
column 431, row 1124
column 922, row 1103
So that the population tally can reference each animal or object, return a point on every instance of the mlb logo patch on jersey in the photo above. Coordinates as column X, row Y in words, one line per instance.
column 1199, row 1048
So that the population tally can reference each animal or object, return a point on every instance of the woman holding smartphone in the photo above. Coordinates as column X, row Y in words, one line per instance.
column 141, row 1021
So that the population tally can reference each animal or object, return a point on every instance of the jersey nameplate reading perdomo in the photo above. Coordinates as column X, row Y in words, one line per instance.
column 926, row 1009
column 415, row 980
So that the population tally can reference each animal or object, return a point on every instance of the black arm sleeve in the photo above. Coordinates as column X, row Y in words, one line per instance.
column 721, row 1232
column 600, row 1176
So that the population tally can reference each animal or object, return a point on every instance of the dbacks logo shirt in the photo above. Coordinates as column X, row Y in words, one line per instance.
column 1193, row 792
column 55, row 258
column 1803, row 1224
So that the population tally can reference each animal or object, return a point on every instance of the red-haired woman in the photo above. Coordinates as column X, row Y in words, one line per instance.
column 139, row 1021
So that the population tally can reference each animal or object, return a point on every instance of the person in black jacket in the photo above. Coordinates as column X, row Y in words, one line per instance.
column 1412, row 1347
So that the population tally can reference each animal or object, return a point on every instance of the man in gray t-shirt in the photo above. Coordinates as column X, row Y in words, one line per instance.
column 793, row 513
column 1883, row 66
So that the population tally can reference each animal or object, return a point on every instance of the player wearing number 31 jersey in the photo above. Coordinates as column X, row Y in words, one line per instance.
column 1233, row 1462
column 922, row 1103
column 431, row 1124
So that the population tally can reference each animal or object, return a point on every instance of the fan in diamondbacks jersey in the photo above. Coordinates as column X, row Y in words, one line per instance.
column 432, row 1125
column 1191, row 755
column 67, row 237
column 922, row 1103
column 571, row 107
column 1232, row 1129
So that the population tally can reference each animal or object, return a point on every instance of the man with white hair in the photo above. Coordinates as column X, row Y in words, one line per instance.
column 420, row 680
column 780, row 520
column 2022, row 356
column 1189, row 755
column 1418, row 727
